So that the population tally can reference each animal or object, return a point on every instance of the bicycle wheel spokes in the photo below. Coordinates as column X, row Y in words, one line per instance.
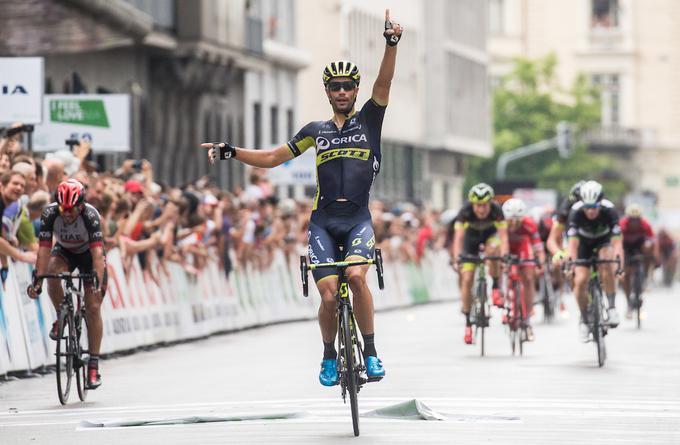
column 350, row 374
column 64, row 356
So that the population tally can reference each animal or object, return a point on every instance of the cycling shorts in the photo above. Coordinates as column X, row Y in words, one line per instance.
column 588, row 248
column 80, row 261
column 341, row 223
column 471, row 244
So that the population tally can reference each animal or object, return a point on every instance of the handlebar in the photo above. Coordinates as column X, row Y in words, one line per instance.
column 476, row 259
column 593, row 262
column 305, row 268
column 69, row 277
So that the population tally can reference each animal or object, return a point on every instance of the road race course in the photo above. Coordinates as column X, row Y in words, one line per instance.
column 554, row 394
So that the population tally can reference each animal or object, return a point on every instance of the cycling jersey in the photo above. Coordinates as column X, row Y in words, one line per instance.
column 593, row 233
column 524, row 238
column 635, row 232
column 479, row 231
column 347, row 159
column 562, row 214
column 83, row 234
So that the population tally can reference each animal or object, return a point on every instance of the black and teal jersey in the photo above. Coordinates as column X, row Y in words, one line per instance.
column 347, row 159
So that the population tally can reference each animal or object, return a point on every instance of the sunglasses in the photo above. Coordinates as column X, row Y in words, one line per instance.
column 348, row 85
column 591, row 206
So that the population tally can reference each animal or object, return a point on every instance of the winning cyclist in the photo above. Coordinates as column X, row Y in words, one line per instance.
column 525, row 243
column 348, row 159
column 480, row 221
column 638, row 239
column 76, row 227
column 594, row 231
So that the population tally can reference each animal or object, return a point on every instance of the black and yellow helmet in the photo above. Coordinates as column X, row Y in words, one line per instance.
column 341, row 68
column 480, row 193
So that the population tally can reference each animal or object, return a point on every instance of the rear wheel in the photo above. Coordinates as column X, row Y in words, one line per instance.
column 350, row 374
column 80, row 364
column 519, row 316
column 64, row 355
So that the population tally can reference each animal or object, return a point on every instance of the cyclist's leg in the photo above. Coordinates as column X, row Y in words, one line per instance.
column 360, row 245
column 581, row 277
column 93, row 305
column 323, row 249
column 58, row 263
column 467, row 274
column 528, row 272
column 608, row 276
column 492, row 246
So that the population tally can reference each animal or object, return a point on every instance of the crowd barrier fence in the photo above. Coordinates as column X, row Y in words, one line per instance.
column 165, row 305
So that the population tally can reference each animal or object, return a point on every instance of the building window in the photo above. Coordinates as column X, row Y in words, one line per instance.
column 605, row 14
column 274, row 115
column 610, row 87
column 257, row 125
column 496, row 17
column 290, row 123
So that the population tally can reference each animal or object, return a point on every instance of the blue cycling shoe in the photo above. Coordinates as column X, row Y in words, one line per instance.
column 329, row 372
column 374, row 368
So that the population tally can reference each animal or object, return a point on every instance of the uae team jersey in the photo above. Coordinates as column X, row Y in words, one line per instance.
column 84, row 233
column 347, row 159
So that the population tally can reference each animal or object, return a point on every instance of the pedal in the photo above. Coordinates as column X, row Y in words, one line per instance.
column 375, row 379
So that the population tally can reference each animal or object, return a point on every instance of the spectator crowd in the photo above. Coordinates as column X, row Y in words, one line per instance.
column 146, row 218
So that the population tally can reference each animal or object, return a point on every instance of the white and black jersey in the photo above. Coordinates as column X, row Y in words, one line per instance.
column 84, row 233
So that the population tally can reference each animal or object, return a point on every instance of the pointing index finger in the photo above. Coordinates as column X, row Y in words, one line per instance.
column 387, row 15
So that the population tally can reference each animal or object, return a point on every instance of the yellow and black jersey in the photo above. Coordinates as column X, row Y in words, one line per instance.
column 467, row 219
column 347, row 159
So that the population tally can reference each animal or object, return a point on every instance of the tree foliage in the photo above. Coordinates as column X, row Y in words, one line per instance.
column 527, row 105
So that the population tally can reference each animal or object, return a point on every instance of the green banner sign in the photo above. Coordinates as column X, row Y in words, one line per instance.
column 82, row 112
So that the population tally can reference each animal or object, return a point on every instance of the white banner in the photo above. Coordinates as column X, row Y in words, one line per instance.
column 21, row 89
column 301, row 170
column 103, row 118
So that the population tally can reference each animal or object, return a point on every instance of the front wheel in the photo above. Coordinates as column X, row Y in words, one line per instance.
column 349, row 373
column 64, row 355
column 598, row 325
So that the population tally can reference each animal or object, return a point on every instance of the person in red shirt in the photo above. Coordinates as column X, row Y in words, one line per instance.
column 638, row 239
column 525, row 242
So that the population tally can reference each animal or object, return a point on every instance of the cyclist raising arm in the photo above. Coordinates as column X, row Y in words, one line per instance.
column 76, row 226
column 348, row 159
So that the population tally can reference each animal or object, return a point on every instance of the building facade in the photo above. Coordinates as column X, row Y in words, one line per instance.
column 628, row 48
column 196, row 70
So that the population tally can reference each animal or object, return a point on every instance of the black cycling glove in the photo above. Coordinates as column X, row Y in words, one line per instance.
column 227, row 151
column 392, row 39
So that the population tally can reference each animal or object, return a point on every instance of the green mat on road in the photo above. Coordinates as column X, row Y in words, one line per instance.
column 188, row 420
column 412, row 409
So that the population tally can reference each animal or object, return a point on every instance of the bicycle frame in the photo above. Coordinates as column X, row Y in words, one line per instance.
column 351, row 367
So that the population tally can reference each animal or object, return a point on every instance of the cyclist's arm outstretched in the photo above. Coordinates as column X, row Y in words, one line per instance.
column 256, row 158
column 381, row 87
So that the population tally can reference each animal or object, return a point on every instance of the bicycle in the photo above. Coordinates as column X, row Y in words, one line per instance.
column 637, row 263
column 517, row 309
column 550, row 295
column 596, row 307
column 481, row 309
column 351, row 367
column 72, row 330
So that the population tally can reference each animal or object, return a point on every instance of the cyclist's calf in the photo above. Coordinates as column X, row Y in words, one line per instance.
column 607, row 271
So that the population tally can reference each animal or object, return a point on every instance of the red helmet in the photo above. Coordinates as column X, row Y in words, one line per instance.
column 70, row 194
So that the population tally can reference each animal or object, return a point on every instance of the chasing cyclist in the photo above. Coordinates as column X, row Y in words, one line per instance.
column 638, row 239
column 348, row 159
column 593, row 231
column 479, row 222
column 525, row 243
column 76, row 227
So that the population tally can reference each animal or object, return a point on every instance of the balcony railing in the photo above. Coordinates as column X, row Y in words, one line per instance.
column 612, row 138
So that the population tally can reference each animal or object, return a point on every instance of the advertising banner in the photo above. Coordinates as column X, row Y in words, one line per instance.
column 21, row 89
column 103, row 118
